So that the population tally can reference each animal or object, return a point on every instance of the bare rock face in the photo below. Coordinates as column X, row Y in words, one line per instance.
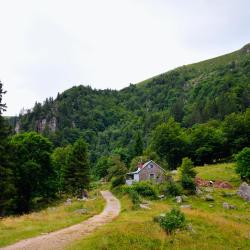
column 244, row 191
column 42, row 124
column 52, row 124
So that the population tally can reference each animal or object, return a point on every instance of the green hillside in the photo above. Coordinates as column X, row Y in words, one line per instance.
column 109, row 120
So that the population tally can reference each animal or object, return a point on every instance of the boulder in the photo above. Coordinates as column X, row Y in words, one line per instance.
column 244, row 191
column 178, row 199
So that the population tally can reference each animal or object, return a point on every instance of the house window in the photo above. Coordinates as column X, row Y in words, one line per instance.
column 150, row 166
column 151, row 176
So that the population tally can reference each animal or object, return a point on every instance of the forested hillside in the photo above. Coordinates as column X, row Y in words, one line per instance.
column 110, row 120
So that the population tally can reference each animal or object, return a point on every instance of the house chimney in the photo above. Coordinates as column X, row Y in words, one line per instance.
column 140, row 164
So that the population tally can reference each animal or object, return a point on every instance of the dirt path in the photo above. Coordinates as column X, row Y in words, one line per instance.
column 59, row 239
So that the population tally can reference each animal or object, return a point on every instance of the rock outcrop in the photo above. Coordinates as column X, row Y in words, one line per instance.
column 244, row 191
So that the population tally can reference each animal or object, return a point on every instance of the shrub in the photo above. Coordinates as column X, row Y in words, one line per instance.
column 173, row 220
column 173, row 189
column 117, row 181
column 145, row 189
column 188, row 175
column 188, row 183
column 243, row 164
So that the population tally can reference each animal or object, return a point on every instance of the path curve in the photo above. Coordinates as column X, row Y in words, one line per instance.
column 61, row 238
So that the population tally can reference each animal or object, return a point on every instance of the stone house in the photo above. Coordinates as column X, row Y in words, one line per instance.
column 147, row 171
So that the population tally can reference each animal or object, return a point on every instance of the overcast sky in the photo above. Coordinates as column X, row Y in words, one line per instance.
column 47, row 46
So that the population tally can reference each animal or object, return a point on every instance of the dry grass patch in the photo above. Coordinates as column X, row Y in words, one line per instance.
column 15, row 228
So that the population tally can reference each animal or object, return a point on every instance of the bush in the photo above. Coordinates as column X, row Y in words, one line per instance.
column 145, row 189
column 117, row 181
column 173, row 189
column 173, row 220
column 188, row 175
column 243, row 164
column 188, row 183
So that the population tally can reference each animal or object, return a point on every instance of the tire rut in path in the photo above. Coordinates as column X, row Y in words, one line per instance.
column 61, row 238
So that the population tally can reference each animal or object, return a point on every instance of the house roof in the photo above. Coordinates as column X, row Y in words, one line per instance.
column 144, row 165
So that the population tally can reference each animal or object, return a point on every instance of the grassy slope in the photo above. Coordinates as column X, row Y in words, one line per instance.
column 13, row 229
column 223, row 172
column 214, row 227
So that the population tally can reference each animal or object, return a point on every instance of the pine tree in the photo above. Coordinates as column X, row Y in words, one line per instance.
column 6, row 180
column 76, row 172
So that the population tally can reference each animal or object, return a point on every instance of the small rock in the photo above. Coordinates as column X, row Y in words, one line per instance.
column 161, row 196
column 228, row 206
column 186, row 206
column 211, row 205
column 209, row 197
column 81, row 211
column 178, row 199
column 190, row 228
column 144, row 206
column 68, row 201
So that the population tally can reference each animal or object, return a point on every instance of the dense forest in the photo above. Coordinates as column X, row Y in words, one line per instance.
column 200, row 111
column 110, row 120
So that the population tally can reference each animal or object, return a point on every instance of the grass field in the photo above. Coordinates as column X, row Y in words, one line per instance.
column 213, row 227
column 15, row 228
column 223, row 172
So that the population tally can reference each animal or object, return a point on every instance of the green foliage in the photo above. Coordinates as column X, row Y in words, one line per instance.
column 138, row 145
column 173, row 220
column 7, row 188
column 34, row 175
column 117, row 181
column 138, row 159
column 145, row 189
column 196, row 93
column 243, row 164
column 77, row 169
column 172, row 189
column 169, row 142
column 207, row 143
column 59, row 159
column 135, row 198
column 117, row 167
column 187, row 175
column 102, row 166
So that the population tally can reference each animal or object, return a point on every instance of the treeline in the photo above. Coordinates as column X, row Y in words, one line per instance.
column 169, row 143
column 32, row 173
column 110, row 120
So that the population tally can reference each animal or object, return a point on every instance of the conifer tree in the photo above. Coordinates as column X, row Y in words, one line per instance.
column 76, row 172
column 6, row 180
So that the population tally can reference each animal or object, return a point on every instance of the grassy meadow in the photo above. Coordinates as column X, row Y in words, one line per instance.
column 15, row 228
column 212, row 226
